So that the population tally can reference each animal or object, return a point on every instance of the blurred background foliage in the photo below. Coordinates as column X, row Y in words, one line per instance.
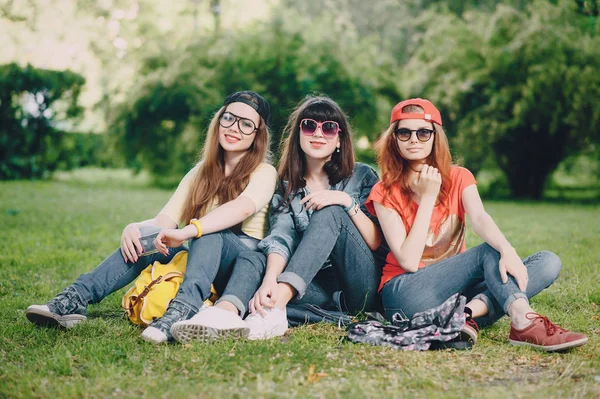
column 134, row 83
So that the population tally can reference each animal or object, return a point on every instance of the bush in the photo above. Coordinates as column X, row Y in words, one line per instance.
column 31, row 102
column 520, row 86
column 79, row 150
column 162, row 125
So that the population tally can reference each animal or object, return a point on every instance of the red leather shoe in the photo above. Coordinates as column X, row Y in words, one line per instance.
column 545, row 335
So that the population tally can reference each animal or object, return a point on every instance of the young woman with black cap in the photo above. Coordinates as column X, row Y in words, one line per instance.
column 421, row 203
column 222, row 201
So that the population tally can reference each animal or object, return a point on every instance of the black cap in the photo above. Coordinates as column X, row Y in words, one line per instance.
column 254, row 100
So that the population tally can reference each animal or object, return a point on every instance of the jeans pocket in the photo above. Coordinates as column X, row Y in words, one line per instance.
column 390, row 296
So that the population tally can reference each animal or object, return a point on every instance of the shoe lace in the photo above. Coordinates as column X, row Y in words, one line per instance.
column 67, row 302
column 551, row 328
column 174, row 313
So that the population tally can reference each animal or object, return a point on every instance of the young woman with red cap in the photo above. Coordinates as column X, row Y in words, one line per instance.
column 223, row 203
column 421, row 203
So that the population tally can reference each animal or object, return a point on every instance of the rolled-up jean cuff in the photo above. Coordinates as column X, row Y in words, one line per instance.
column 513, row 298
column 81, row 297
column 488, row 302
column 235, row 301
column 191, row 308
column 295, row 281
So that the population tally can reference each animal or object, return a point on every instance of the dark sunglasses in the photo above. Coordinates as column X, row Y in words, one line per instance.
column 404, row 134
column 308, row 127
column 246, row 126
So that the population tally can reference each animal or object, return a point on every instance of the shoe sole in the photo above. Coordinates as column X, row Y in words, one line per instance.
column 154, row 341
column 468, row 335
column 268, row 335
column 193, row 332
column 552, row 348
column 42, row 318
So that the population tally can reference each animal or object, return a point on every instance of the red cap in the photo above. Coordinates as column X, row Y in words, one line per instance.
column 431, row 113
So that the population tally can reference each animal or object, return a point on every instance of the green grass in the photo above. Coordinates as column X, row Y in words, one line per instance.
column 54, row 231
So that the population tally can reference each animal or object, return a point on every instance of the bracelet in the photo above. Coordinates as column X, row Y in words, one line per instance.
column 354, row 210
column 196, row 223
column 351, row 206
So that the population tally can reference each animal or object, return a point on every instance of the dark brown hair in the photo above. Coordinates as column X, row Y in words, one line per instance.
column 292, row 165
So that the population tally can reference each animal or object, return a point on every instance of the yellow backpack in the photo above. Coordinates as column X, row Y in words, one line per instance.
column 155, row 288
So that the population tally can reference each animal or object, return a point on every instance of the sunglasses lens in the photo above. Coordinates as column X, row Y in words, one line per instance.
column 403, row 134
column 330, row 129
column 424, row 134
column 308, row 126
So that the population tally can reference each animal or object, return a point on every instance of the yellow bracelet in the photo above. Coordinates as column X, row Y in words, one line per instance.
column 196, row 223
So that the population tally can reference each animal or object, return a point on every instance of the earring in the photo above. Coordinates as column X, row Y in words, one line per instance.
column 338, row 149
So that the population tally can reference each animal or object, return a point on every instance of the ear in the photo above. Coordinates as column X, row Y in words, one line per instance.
column 338, row 143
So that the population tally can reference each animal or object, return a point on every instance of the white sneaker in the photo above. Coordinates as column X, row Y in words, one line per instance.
column 274, row 324
column 154, row 335
column 42, row 316
column 210, row 324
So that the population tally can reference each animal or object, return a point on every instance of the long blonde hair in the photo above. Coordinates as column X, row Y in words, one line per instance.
column 210, row 182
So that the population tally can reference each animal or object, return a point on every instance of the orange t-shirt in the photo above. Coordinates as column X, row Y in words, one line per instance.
column 445, row 238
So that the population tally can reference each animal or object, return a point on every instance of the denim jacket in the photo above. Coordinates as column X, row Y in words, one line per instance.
column 288, row 225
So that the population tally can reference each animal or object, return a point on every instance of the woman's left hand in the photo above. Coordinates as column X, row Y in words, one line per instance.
column 324, row 198
column 511, row 263
column 170, row 238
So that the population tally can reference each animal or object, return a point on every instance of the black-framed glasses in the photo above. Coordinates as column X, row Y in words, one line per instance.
column 404, row 134
column 245, row 125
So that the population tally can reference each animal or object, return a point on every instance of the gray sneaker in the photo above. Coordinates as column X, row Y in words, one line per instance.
column 159, row 330
column 63, row 311
column 41, row 315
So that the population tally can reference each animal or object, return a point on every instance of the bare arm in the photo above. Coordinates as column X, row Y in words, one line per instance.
column 266, row 295
column 255, row 196
column 407, row 250
column 131, row 246
column 159, row 220
column 483, row 224
column 485, row 227
column 275, row 266
column 367, row 229
column 225, row 216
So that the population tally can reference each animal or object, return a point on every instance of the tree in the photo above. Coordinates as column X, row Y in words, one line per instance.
column 522, row 85
column 32, row 101
column 162, row 124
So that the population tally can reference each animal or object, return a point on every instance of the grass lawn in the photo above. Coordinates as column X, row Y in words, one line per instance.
column 54, row 231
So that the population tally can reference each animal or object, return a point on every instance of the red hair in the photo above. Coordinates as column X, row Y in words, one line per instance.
column 395, row 170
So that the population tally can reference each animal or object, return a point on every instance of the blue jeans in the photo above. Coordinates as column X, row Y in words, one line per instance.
column 210, row 260
column 474, row 273
column 354, row 269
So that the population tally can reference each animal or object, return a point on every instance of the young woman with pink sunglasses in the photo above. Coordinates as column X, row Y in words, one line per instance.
column 320, row 246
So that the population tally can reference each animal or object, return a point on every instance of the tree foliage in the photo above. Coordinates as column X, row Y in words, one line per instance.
column 522, row 86
column 163, row 124
column 32, row 101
